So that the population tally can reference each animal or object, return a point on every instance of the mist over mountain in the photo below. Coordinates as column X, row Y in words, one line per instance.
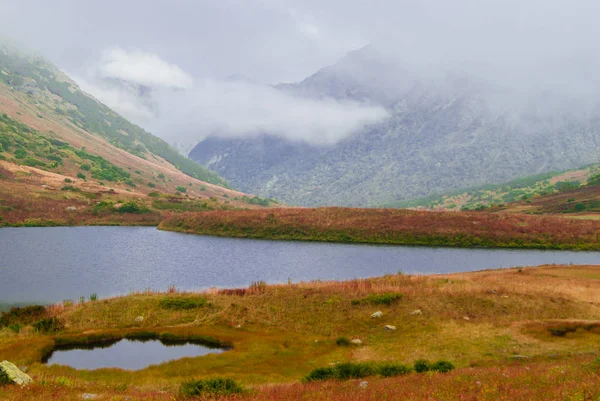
column 445, row 129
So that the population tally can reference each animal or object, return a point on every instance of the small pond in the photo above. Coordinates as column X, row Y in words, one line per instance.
column 126, row 354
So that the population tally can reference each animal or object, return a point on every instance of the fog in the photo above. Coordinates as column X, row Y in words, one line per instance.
column 166, row 64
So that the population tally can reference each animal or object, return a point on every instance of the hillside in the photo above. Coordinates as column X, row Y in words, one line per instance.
column 442, row 134
column 526, row 192
column 62, row 153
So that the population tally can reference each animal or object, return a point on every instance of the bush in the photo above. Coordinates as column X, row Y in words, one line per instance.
column 24, row 315
column 48, row 325
column 70, row 188
column 132, row 207
column 85, row 167
column 342, row 342
column 379, row 299
column 320, row 374
column 151, row 185
column 391, row 369
column 68, row 180
column 182, row 303
column 422, row 366
column 442, row 366
column 81, row 176
column 154, row 194
column 211, row 388
column 181, row 189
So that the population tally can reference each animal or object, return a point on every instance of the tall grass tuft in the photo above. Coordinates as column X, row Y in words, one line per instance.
column 217, row 387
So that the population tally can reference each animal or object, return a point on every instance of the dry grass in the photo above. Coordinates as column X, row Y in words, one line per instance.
column 281, row 332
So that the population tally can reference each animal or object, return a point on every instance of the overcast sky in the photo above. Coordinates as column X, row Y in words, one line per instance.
column 185, row 49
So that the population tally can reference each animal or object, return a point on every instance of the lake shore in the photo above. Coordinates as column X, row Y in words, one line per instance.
column 499, row 328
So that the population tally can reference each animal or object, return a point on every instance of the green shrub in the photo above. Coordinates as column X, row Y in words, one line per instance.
column 182, row 303
column 154, row 194
column 151, row 185
column 342, row 342
column 181, row 189
column 85, row 167
column 48, row 325
column 24, row 315
column 130, row 183
column 379, row 299
column 68, row 180
column 442, row 366
column 81, row 176
column 393, row 369
column 211, row 387
column 320, row 374
column 351, row 370
column 422, row 366
column 132, row 207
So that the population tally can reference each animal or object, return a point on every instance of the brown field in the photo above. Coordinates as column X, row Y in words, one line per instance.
column 391, row 226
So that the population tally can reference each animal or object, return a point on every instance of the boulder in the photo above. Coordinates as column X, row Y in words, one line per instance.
column 363, row 384
column 71, row 208
column 416, row 312
column 387, row 327
column 356, row 341
column 466, row 318
column 11, row 374
column 139, row 319
column 377, row 314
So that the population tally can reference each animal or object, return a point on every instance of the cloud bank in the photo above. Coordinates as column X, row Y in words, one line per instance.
column 183, row 109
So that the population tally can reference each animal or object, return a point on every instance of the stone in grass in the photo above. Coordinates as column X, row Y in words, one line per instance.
column 387, row 327
column 139, row 319
column 364, row 384
column 356, row 341
column 377, row 314
column 416, row 312
column 10, row 374
column 89, row 396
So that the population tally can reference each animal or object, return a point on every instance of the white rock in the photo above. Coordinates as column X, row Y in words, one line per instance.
column 139, row 319
column 389, row 328
column 363, row 384
column 466, row 318
column 377, row 314
column 416, row 312
column 356, row 341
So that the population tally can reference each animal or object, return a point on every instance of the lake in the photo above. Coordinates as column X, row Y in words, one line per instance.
column 59, row 263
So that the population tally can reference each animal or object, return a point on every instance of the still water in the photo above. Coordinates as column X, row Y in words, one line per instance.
column 126, row 354
column 58, row 263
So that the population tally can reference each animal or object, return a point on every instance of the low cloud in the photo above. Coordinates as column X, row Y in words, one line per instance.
column 184, row 110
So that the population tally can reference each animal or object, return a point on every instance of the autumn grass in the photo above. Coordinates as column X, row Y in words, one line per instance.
column 399, row 227
column 488, row 324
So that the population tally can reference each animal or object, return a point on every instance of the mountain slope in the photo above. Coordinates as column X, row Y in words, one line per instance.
column 442, row 134
column 43, row 83
column 71, row 160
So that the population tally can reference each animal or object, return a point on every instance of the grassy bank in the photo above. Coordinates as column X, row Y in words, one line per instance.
column 511, row 334
column 400, row 227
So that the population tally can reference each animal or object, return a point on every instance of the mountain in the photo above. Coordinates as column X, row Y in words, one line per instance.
column 444, row 132
column 572, row 191
column 62, row 151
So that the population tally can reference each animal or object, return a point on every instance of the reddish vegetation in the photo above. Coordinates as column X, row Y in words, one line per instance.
column 390, row 226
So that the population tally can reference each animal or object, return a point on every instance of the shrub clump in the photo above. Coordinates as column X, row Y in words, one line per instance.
column 441, row 366
column 422, row 366
column 211, row 387
column 379, row 299
column 25, row 315
column 342, row 342
column 182, row 303
column 393, row 369
column 48, row 325
column 132, row 207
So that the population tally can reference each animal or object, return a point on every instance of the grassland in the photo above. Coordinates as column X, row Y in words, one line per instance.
column 516, row 334
column 390, row 226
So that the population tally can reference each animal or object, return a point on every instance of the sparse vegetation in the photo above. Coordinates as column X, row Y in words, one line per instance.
column 217, row 387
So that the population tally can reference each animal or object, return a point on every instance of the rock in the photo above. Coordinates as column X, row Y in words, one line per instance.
column 377, row 314
column 504, row 296
column 71, row 208
column 491, row 292
column 466, row 318
column 356, row 341
column 416, row 312
column 139, row 319
column 387, row 327
column 10, row 374
column 118, row 206
column 363, row 384
column 89, row 396
column 520, row 357
column 239, row 326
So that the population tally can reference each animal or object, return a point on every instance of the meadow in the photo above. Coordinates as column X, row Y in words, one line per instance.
column 515, row 334
column 393, row 226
